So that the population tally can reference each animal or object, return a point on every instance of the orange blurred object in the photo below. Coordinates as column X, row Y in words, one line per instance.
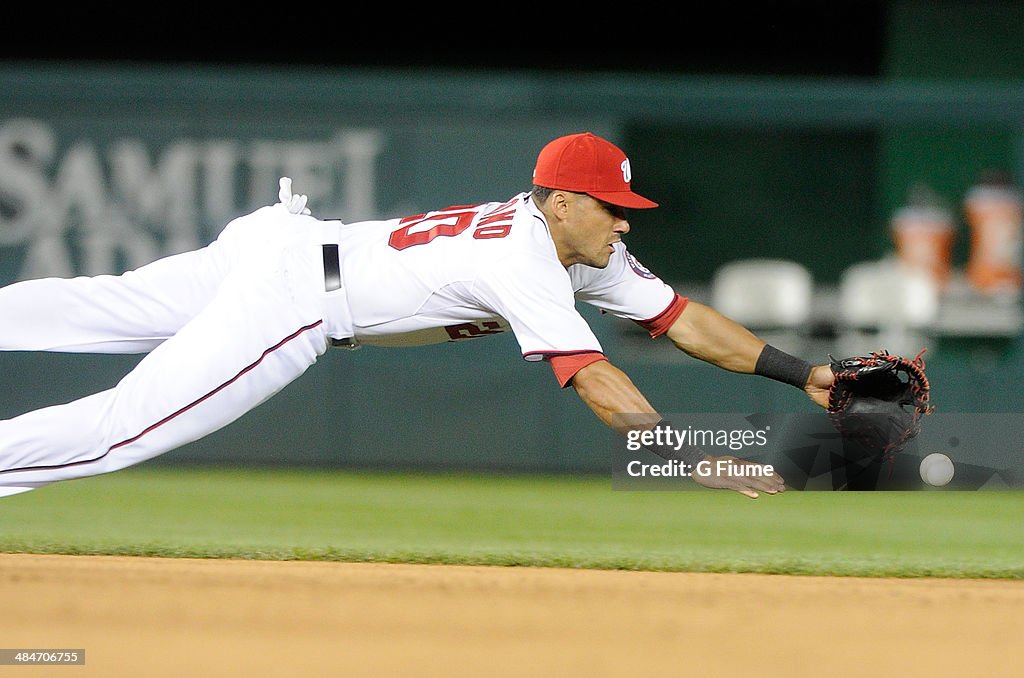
column 994, row 211
column 924, row 235
column 924, row 240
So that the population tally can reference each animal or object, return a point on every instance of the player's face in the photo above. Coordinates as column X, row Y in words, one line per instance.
column 597, row 227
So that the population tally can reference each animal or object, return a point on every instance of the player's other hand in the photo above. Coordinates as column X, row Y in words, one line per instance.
column 294, row 203
column 746, row 477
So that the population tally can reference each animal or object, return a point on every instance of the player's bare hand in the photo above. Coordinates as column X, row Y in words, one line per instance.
column 746, row 477
column 819, row 383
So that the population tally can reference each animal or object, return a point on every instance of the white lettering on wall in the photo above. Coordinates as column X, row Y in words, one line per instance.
column 83, row 208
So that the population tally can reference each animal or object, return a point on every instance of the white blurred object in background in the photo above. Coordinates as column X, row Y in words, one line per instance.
column 886, row 305
column 771, row 297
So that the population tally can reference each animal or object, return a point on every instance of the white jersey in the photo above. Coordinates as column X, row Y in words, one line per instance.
column 470, row 271
column 227, row 326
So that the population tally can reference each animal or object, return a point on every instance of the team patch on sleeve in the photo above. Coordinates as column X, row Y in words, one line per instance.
column 637, row 267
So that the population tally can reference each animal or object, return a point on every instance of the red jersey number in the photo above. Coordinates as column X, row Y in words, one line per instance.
column 448, row 223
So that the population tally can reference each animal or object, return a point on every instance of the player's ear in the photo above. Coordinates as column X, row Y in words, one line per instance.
column 560, row 202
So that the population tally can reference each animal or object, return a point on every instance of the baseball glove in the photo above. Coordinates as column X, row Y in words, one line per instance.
column 877, row 401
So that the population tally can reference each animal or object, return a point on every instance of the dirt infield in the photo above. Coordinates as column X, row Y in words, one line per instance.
column 165, row 617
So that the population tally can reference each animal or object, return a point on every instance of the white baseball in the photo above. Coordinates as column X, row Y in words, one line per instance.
column 936, row 469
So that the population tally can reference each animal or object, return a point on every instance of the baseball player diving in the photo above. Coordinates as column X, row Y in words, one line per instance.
column 227, row 326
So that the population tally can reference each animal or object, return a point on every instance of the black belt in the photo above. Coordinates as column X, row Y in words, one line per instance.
column 332, row 281
column 332, row 268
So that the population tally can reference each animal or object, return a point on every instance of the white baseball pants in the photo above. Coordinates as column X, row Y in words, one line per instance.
column 225, row 328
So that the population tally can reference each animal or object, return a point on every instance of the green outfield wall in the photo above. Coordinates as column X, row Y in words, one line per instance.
column 105, row 168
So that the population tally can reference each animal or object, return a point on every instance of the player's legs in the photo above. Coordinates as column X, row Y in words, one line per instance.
column 262, row 330
column 129, row 313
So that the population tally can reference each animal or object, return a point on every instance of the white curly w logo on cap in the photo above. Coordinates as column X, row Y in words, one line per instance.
column 627, row 174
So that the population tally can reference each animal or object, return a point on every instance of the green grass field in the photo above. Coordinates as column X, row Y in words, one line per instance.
column 499, row 520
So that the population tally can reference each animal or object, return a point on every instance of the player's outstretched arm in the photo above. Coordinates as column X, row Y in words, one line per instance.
column 613, row 397
column 706, row 334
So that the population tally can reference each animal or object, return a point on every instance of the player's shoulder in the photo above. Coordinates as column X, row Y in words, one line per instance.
column 531, row 225
column 515, row 228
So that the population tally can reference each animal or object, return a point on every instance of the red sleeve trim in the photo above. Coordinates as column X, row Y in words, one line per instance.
column 659, row 324
column 566, row 365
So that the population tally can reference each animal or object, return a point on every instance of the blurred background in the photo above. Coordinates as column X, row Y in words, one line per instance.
column 841, row 177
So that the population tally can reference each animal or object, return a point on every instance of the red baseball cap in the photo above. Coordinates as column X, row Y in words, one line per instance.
column 584, row 163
